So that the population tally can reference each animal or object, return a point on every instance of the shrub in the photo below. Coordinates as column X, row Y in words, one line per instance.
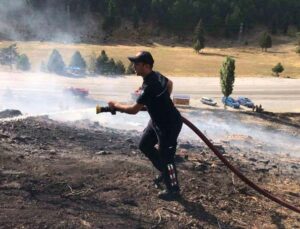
column 23, row 63
column 278, row 68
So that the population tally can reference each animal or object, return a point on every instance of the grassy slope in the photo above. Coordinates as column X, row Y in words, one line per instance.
column 179, row 60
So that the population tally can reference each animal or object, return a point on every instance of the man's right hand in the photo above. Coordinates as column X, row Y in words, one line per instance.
column 112, row 104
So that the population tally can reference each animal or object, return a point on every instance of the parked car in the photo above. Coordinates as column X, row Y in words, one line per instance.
column 208, row 101
column 75, row 71
column 245, row 102
column 229, row 101
column 80, row 92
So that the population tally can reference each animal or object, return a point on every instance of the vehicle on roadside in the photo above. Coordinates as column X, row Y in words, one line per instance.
column 208, row 101
column 76, row 91
column 181, row 100
column 229, row 101
column 245, row 102
column 74, row 71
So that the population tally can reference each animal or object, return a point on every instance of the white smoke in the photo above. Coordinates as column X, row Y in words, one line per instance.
column 19, row 20
column 39, row 94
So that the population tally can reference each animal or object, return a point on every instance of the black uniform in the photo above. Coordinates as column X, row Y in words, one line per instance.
column 163, row 128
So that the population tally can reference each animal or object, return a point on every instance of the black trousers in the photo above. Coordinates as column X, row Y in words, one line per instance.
column 163, row 157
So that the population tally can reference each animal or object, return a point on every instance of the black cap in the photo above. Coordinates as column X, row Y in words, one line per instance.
column 142, row 57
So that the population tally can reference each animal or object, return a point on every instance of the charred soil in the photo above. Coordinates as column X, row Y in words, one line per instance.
column 82, row 175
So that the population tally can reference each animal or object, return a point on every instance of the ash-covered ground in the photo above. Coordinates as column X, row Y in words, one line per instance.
column 82, row 174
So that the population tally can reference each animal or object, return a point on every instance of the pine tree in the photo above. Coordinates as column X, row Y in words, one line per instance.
column 111, row 19
column 101, row 63
column 56, row 63
column 135, row 17
column 198, row 46
column 120, row 69
column 9, row 56
column 278, row 68
column 130, row 69
column 199, row 39
column 199, row 32
column 233, row 21
column 227, row 76
column 23, row 63
column 265, row 41
column 78, row 61
column 111, row 67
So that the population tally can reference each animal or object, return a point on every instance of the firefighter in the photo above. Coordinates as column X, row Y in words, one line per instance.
column 164, row 126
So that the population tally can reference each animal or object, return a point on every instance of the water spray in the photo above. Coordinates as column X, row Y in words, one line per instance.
column 267, row 194
column 21, row 117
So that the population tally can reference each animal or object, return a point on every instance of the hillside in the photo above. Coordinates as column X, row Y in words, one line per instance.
column 180, row 60
column 90, row 20
column 82, row 175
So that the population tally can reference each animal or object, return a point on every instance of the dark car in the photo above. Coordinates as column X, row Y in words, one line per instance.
column 229, row 101
column 245, row 102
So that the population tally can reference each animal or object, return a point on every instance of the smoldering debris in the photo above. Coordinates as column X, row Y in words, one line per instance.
column 50, row 169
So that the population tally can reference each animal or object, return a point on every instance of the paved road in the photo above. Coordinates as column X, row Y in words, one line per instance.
column 275, row 94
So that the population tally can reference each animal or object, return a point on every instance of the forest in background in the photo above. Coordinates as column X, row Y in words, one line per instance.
column 49, row 19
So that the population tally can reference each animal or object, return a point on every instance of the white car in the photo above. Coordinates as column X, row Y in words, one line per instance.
column 208, row 101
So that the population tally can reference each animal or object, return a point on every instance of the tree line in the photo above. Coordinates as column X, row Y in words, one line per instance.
column 102, row 64
column 220, row 17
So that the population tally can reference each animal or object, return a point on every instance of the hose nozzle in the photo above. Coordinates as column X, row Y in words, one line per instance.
column 100, row 109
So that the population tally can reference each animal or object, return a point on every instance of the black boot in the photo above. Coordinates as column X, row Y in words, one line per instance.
column 172, row 190
column 169, row 195
column 158, row 180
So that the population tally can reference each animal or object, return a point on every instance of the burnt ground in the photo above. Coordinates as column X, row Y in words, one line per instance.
column 82, row 175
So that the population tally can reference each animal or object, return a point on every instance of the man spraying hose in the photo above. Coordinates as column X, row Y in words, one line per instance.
column 164, row 126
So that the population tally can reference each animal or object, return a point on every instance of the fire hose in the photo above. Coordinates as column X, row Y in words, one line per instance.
column 223, row 159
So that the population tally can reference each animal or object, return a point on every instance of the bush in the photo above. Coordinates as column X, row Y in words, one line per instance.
column 56, row 63
column 23, row 63
column 278, row 68
column 298, row 50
